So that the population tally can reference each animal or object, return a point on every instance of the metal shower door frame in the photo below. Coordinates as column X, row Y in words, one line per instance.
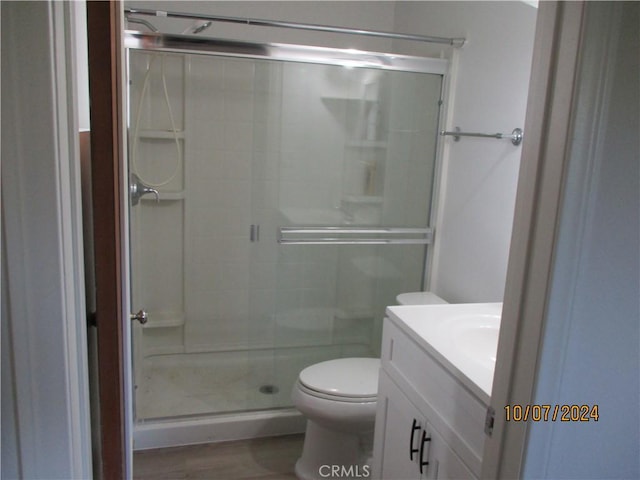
column 351, row 58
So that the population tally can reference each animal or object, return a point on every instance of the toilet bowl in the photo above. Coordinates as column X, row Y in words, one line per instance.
column 338, row 398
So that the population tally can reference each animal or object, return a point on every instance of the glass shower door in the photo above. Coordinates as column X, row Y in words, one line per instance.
column 357, row 157
column 293, row 205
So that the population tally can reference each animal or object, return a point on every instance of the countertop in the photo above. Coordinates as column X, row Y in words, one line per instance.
column 461, row 337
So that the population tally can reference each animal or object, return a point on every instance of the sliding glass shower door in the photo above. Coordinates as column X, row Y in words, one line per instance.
column 292, row 206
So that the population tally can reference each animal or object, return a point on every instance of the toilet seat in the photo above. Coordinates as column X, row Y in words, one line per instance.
column 334, row 398
column 343, row 379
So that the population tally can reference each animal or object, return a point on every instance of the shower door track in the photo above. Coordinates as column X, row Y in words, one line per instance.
column 453, row 42
column 285, row 52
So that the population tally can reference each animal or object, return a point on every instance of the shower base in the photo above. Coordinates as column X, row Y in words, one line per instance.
column 227, row 395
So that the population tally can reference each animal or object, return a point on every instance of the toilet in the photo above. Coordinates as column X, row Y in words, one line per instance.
column 338, row 398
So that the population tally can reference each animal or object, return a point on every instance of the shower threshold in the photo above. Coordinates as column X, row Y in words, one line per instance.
column 217, row 428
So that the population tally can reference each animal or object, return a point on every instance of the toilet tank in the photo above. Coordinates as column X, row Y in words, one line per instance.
column 419, row 298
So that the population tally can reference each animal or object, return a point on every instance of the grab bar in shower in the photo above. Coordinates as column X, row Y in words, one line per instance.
column 337, row 235
column 515, row 136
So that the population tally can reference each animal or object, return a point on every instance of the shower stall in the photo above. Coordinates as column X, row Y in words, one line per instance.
column 281, row 198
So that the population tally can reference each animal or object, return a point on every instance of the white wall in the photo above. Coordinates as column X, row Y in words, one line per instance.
column 590, row 346
column 478, row 189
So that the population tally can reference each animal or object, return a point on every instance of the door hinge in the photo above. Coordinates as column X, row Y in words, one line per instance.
column 488, row 421
column 91, row 319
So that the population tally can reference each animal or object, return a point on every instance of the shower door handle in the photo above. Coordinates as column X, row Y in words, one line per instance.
column 254, row 233
column 141, row 316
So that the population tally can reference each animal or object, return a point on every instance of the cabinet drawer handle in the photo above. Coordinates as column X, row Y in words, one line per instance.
column 425, row 439
column 412, row 450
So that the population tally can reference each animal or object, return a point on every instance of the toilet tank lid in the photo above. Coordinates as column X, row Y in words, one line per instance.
column 419, row 298
column 343, row 377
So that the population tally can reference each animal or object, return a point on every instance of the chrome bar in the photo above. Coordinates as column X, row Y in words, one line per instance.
column 358, row 230
column 303, row 235
column 454, row 42
column 515, row 136
column 354, row 241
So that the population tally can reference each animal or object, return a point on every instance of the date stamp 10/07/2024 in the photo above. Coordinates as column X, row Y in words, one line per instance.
column 551, row 413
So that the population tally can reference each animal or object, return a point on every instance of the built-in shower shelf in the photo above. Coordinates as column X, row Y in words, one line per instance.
column 164, row 319
column 164, row 196
column 161, row 134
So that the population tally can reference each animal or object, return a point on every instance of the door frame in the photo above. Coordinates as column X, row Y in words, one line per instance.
column 104, row 27
column 541, row 183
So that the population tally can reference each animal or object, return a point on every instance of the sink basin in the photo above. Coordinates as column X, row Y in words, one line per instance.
column 477, row 338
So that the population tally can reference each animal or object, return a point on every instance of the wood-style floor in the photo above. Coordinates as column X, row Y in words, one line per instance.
column 271, row 458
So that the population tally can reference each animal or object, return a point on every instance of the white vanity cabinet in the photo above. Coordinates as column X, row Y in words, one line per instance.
column 412, row 448
column 430, row 417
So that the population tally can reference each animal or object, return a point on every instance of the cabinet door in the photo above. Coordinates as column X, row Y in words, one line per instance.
column 399, row 427
column 404, row 439
column 444, row 464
